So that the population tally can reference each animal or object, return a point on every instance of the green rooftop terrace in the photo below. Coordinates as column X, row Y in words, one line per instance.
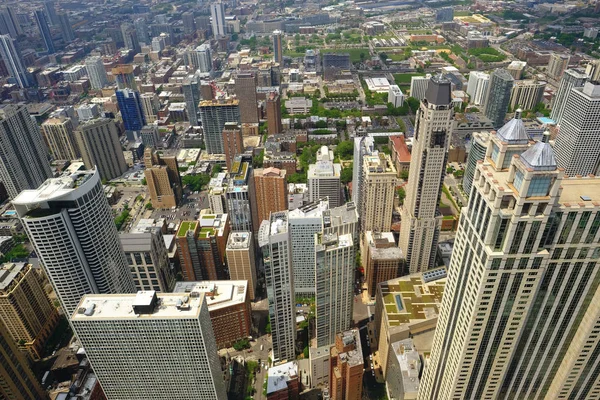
column 185, row 227
column 206, row 232
column 409, row 299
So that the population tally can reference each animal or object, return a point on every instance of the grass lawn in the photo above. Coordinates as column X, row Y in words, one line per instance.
column 462, row 13
column 354, row 53
column 293, row 54
column 397, row 57
column 404, row 78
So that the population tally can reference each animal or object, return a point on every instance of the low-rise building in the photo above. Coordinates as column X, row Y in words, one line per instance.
column 283, row 382
column 382, row 259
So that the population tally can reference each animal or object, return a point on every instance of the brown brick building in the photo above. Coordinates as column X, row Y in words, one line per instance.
column 346, row 367
column 271, row 194
column 274, row 126
column 233, row 142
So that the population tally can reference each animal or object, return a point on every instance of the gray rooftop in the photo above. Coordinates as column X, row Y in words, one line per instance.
column 540, row 157
column 438, row 91
column 513, row 132
column 8, row 272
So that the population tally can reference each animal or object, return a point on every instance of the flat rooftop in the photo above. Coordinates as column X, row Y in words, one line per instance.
column 8, row 272
column 239, row 241
column 120, row 306
column 219, row 294
column 186, row 226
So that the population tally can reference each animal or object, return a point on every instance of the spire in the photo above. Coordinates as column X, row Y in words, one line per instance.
column 540, row 156
column 513, row 132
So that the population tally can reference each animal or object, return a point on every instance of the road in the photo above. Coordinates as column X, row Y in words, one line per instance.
column 452, row 183
column 254, row 354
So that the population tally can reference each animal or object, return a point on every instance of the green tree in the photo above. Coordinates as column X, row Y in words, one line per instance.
column 196, row 182
column 401, row 195
column 149, row 206
column 345, row 150
column 346, row 174
column 404, row 175
column 305, row 352
column 241, row 344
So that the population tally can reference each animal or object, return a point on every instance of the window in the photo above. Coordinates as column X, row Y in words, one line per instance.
column 539, row 186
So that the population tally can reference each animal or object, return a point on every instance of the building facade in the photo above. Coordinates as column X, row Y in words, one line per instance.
column 378, row 186
column 96, row 72
column 571, row 78
column 245, row 91
column 270, row 193
column 60, row 136
column 324, row 178
column 241, row 261
column 497, row 98
column 214, row 114
column 273, row 105
column 233, row 142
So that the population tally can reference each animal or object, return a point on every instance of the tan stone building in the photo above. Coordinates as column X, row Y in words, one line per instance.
column 381, row 259
column 378, row 191
column 163, row 180
column 60, row 137
column 241, row 261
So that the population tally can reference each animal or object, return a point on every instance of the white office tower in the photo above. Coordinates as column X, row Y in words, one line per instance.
column 527, row 94
column 335, row 257
column 72, row 229
column 217, row 14
column 13, row 62
column 308, row 220
column 418, row 86
column 364, row 145
column 151, row 346
column 23, row 154
column 477, row 87
column 420, row 217
column 578, row 140
column 96, row 72
column 570, row 79
column 378, row 188
column 274, row 241
column 201, row 58
column 324, row 178
column 522, row 293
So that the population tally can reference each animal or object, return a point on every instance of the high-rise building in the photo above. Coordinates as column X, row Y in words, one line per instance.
column 66, row 28
column 444, row 14
column 334, row 278
column 60, row 136
column 378, row 186
column 278, row 47
column 324, row 178
column 592, row 69
column 477, row 86
column 201, row 59
column 217, row 14
column 364, row 145
column 228, row 306
column 130, row 37
column 189, row 23
column 274, row 240
column 191, row 94
column 241, row 261
column 497, row 98
column 151, row 106
column 121, row 339
column 98, row 142
column 72, row 229
column 17, row 380
column 381, row 259
column 24, row 162
column 96, row 72
column 577, row 144
column 163, row 179
column 239, row 195
column 141, row 30
column 558, row 64
column 420, row 217
column 25, row 309
column 13, row 62
column 131, row 109
column 150, row 136
column 516, row 69
column 233, row 142
column 570, row 79
column 270, row 191
column 479, row 143
column 526, row 94
column 245, row 91
column 418, row 86
column 50, row 11
column 202, row 247
column 346, row 367
column 124, row 76
column 214, row 114
column 42, row 24
column 522, row 285
column 9, row 22
column 148, row 259
column 273, row 106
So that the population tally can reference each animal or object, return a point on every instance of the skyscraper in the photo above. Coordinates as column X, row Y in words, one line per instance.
column 273, row 106
column 72, row 228
column 124, row 77
column 123, row 342
column 189, row 24
column 570, row 79
column 498, row 96
column 346, row 366
column 13, row 62
column 381, row 259
column 9, row 23
column 420, row 218
column 17, row 380
column 324, row 178
column 233, row 142
column 98, row 142
column 191, row 94
column 130, row 37
column 479, row 143
column 60, row 136
column 25, row 309
column 42, row 24
column 131, row 109
column 334, row 255
column 163, row 179
column 96, row 72
column 245, row 91
column 418, row 86
column 241, row 261
column 526, row 94
column 270, row 193
column 214, row 114
column 239, row 195
column 522, row 282
column 274, row 240
column 577, row 144
column 378, row 186
column 201, row 58
column 478, row 86
column 557, row 64
column 50, row 11
column 277, row 47
column 150, row 106
column 66, row 28
column 141, row 30
column 217, row 14
column 24, row 162
column 364, row 145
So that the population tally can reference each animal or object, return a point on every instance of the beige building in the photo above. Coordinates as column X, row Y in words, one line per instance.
column 324, row 178
column 527, row 94
column 271, row 194
column 407, row 307
column 60, row 137
column 163, row 180
column 241, row 261
column 98, row 142
column 557, row 64
column 25, row 309
column 378, row 190
column 382, row 259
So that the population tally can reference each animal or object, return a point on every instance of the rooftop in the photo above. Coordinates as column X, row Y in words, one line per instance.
column 219, row 294
column 279, row 376
column 410, row 364
column 8, row 273
column 239, row 240
column 355, row 356
column 186, row 226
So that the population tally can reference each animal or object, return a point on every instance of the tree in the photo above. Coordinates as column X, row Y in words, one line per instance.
column 346, row 175
column 404, row 175
column 345, row 150
column 241, row 344
column 196, row 182
column 144, row 182
column 401, row 195
column 305, row 353
column 216, row 169
column 149, row 206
